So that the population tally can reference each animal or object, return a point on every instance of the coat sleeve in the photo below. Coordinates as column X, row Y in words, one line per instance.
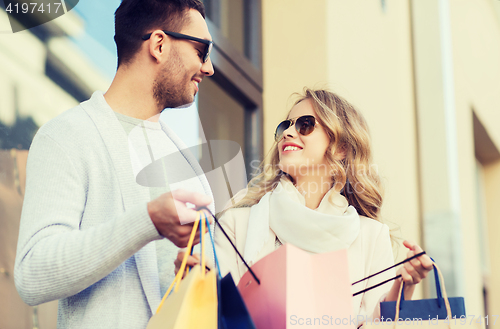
column 55, row 258
column 227, row 256
column 381, row 258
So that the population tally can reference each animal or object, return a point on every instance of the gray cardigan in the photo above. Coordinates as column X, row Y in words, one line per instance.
column 85, row 231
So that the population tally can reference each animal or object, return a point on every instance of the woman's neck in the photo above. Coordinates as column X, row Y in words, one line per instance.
column 313, row 188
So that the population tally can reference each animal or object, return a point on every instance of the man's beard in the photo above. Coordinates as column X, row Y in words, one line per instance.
column 169, row 93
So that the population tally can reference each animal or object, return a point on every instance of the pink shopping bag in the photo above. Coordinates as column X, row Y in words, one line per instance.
column 298, row 289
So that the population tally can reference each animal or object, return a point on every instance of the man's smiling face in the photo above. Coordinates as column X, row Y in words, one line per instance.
column 177, row 82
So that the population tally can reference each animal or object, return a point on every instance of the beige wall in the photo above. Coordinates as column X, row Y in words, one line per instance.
column 446, row 153
column 292, row 55
column 370, row 65
column 390, row 64
column 476, row 50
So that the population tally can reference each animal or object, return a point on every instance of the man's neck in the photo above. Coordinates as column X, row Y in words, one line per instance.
column 131, row 94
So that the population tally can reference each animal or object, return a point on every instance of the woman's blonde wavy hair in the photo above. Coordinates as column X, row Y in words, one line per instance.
column 353, row 176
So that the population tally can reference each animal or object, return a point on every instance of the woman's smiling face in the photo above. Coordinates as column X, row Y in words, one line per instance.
column 303, row 155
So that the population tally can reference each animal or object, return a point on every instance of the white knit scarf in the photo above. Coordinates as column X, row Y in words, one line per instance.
column 334, row 225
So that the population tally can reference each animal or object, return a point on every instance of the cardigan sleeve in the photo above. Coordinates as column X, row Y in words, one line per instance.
column 55, row 258
column 381, row 258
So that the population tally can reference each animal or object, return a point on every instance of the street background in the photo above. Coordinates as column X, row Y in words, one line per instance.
column 425, row 73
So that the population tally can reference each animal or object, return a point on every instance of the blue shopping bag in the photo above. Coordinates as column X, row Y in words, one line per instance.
column 424, row 309
column 233, row 313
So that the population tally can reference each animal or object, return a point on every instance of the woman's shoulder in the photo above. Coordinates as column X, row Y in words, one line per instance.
column 232, row 215
column 371, row 225
column 373, row 234
column 237, row 211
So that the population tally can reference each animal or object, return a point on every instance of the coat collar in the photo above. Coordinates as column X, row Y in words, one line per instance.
column 115, row 139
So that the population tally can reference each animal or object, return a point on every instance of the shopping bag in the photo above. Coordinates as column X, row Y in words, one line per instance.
column 424, row 308
column 233, row 313
column 193, row 302
column 449, row 322
column 298, row 289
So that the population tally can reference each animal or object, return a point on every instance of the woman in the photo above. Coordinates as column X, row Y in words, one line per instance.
column 320, row 192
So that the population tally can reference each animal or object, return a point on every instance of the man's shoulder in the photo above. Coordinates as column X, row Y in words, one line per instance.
column 72, row 124
column 72, row 118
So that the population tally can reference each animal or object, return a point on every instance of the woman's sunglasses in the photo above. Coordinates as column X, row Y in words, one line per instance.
column 304, row 125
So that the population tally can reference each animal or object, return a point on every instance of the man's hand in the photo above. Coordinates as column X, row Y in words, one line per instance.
column 173, row 219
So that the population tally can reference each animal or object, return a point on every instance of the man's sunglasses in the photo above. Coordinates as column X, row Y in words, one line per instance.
column 304, row 125
column 208, row 44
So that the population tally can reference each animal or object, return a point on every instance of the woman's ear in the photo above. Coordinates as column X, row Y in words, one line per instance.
column 341, row 152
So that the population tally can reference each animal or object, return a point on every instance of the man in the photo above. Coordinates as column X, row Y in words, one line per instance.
column 90, row 235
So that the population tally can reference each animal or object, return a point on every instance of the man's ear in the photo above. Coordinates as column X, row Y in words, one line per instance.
column 159, row 46
column 341, row 152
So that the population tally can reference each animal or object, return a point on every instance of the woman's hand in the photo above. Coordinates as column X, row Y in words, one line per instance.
column 191, row 261
column 415, row 270
column 412, row 272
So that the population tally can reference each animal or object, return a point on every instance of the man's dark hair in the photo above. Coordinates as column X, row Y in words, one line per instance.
column 135, row 18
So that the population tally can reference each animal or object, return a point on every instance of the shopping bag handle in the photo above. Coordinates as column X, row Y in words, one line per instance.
column 438, row 288
column 178, row 276
column 213, row 246
column 386, row 269
column 232, row 244
column 202, row 243
column 443, row 289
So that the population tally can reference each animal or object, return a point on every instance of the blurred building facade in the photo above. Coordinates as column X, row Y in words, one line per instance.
column 52, row 67
column 43, row 72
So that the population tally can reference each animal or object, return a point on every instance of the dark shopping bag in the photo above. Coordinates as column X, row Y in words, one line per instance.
column 233, row 314
column 424, row 308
